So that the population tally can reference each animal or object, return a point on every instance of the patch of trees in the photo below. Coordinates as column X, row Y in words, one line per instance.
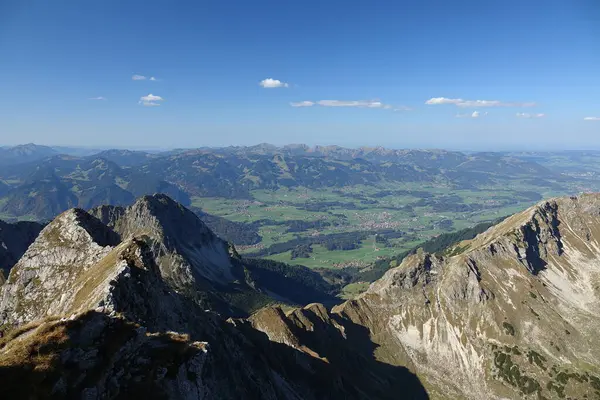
column 345, row 243
column 333, row 241
column 322, row 206
column 445, row 224
column 371, row 202
column 441, row 242
column 342, row 216
column 450, row 203
column 434, row 245
column 301, row 226
column 238, row 233
column 414, row 193
column 302, row 251
column 383, row 240
column 338, row 278
column 298, row 284
column 529, row 195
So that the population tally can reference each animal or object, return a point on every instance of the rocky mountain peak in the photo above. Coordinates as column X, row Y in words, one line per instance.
column 46, row 277
column 104, row 326
column 186, row 250
column 499, row 315
column 511, row 313
column 171, row 220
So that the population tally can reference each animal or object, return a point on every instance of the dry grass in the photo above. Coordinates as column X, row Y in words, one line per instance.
column 18, row 331
column 32, row 357
column 30, row 360
column 93, row 277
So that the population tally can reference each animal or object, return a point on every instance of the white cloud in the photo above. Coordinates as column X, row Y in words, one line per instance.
column 528, row 116
column 150, row 100
column 153, row 78
column 270, row 83
column 303, row 104
column 350, row 103
column 591, row 119
column 474, row 114
column 475, row 103
column 97, row 98
column 138, row 78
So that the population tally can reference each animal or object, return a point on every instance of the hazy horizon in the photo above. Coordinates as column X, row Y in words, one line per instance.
column 391, row 147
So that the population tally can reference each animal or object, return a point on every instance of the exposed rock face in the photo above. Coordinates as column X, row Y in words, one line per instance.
column 15, row 238
column 75, row 258
column 187, row 249
column 119, row 310
column 57, row 265
column 509, row 314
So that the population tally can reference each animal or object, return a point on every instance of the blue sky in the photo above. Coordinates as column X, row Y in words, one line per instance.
column 459, row 74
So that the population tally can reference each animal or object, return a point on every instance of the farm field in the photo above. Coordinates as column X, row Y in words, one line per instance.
column 402, row 215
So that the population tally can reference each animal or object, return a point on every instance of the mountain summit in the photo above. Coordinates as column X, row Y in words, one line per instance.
column 98, row 297
column 94, row 310
column 509, row 314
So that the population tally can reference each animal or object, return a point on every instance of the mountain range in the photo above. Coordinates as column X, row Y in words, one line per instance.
column 37, row 182
column 145, row 300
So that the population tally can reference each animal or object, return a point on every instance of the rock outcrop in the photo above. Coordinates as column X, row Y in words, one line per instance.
column 511, row 314
column 95, row 312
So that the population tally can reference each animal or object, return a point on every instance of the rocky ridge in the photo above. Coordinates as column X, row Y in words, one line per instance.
column 96, row 309
column 509, row 314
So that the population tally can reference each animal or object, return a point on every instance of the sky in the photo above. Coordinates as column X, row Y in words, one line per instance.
column 455, row 74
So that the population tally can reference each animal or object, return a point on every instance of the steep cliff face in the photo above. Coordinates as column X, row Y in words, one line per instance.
column 509, row 314
column 77, row 256
column 186, row 248
column 107, row 330
column 47, row 277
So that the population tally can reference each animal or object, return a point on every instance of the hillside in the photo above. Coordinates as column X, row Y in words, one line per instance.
column 51, row 186
column 24, row 153
column 507, row 314
column 86, row 248
column 127, row 291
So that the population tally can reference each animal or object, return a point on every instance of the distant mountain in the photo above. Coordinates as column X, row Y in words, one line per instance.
column 56, row 184
column 24, row 153
column 39, row 200
column 213, row 174
column 125, row 158
column 42, row 188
